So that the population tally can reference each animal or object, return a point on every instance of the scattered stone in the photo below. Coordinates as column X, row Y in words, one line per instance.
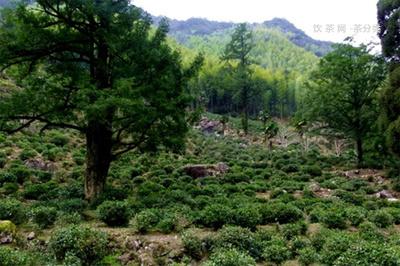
column 203, row 170
column 208, row 126
column 126, row 258
column 392, row 199
column 132, row 243
column 40, row 165
column 384, row 194
column 31, row 235
column 7, row 232
column 315, row 188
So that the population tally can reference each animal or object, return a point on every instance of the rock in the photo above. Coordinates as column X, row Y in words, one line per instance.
column 392, row 199
column 7, row 232
column 40, row 165
column 315, row 188
column 132, row 243
column 384, row 194
column 202, row 170
column 126, row 258
column 31, row 236
column 208, row 126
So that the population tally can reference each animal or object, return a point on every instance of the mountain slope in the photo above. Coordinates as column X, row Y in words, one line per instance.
column 182, row 31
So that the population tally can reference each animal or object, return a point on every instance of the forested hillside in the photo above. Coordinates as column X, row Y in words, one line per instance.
column 278, row 64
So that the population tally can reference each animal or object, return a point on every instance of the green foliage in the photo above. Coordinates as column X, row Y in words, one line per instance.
column 341, row 94
column 276, row 251
column 239, row 238
column 114, row 81
column 216, row 216
column 10, row 256
column 230, row 257
column 72, row 205
column 146, row 219
column 26, row 154
column 191, row 244
column 13, row 210
column 89, row 246
column 43, row 216
column 114, row 213
column 381, row 218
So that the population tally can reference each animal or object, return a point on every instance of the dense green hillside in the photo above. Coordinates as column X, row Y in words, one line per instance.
column 277, row 61
column 183, row 31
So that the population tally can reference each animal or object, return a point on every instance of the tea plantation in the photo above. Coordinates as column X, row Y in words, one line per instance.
column 298, row 203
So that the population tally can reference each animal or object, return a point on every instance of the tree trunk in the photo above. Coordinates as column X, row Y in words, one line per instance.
column 98, row 159
column 359, row 150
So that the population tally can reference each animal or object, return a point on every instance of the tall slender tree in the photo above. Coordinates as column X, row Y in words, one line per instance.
column 237, row 57
column 94, row 66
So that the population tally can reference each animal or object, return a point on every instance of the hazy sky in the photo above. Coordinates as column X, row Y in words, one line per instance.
column 321, row 19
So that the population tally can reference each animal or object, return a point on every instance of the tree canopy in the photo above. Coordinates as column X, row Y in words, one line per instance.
column 341, row 97
column 97, row 67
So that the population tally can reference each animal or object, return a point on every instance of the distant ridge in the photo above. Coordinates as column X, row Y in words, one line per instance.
column 202, row 27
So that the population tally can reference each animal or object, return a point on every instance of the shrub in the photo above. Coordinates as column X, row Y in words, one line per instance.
column 230, row 257
column 3, row 162
column 192, row 244
column 334, row 218
column 239, row 238
column 313, row 170
column 11, row 209
column 293, row 229
column 355, row 215
column 44, row 176
column 89, row 246
column 10, row 188
column 381, row 218
column 286, row 213
column 307, row 256
column 10, row 256
column 114, row 213
column 43, row 216
column 34, row 191
column 276, row 251
column 59, row 139
column 146, row 219
column 21, row 173
column 216, row 215
column 248, row 216
column 110, row 193
column 369, row 253
column 7, row 178
column 73, row 205
column 26, row 154
column 167, row 225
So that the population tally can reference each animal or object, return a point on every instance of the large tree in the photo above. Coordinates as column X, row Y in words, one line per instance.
column 389, row 33
column 341, row 96
column 96, row 66
column 239, row 69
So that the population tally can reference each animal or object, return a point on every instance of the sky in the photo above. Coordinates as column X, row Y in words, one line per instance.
column 332, row 20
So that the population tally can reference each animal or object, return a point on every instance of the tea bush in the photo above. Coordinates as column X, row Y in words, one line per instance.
column 229, row 257
column 192, row 244
column 43, row 216
column 146, row 219
column 216, row 216
column 13, row 210
column 239, row 238
column 381, row 218
column 89, row 246
column 276, row 251
column 114, row 213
